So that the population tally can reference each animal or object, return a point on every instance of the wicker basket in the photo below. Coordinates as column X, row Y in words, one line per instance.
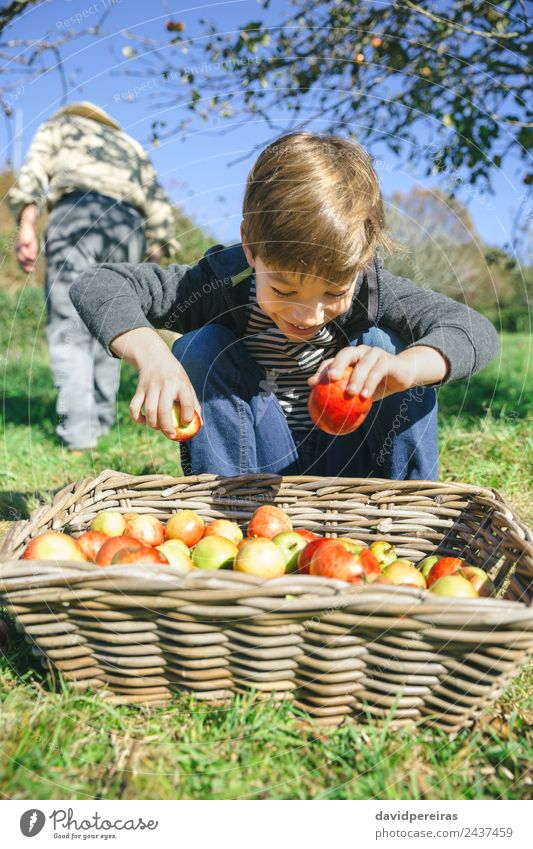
column 143, row 632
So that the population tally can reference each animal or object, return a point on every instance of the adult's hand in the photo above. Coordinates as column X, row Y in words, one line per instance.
column 27, row 247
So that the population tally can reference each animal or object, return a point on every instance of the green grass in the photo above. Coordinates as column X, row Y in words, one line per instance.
column 62, row 745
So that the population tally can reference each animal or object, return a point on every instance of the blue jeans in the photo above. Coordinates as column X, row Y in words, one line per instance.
column 245, row 430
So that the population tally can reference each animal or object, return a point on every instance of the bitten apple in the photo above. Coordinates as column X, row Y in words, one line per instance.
column 53, row 545
column 291, row 544
column 187, row 526
column 224, row 528
column 109, row 522
column 214, row 552
column 184, row 431
column 268, row 521
column 332, row 409
column 146, row 528
column 260, row 557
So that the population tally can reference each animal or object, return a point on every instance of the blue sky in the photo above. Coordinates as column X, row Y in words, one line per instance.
column 195, row 169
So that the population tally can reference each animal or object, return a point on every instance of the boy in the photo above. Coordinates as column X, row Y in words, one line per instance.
column 305, row 291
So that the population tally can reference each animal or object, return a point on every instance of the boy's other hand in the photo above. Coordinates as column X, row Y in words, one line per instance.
column 377, row 373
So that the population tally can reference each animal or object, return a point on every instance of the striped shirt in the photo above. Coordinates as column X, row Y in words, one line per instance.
column 287, row 363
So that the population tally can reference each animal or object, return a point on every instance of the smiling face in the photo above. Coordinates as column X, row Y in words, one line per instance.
column 299, row 307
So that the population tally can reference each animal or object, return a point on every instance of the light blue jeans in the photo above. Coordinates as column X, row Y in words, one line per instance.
column 84, row 229
column 245, row 430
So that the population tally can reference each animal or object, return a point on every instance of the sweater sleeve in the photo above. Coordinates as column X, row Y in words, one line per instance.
column 32, row 182
column 116, row 297
column 422, row 317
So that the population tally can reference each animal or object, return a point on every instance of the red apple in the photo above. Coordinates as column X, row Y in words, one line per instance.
column 176, row 553
column 185, row 431
column 307, row 535
column 224, row 528
column 384, row 551
column 187, row 526
column 304, row 557
column 454, row 586
column 214, row 552
column 341, row 560
column 260, row 557
column 291, row 544
column 332, row 409
column 269, row 521
column 114, row 545
column 404, row 572
column 109, row 522
column 146, row 528
column 139, row 555
column 444, row 566
column 53, row 545
column 91, row 542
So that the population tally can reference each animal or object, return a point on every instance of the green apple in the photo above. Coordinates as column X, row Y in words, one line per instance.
column 290, row 544
column 384, row 551
column 425, row 565
column 479, row 580
column 176, row 553
column 214, row 552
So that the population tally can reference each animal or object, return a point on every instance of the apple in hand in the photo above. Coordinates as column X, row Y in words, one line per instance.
column 224, row 528
column 268, row 521
column 291, row 544
column 139, row 555
column 91, row 542
column 214, row 552
column 260, row 557
column 114, row 545
column 53, row 545
column 404, row 573
column 425, row 566
column 109, row 522
column 146, row 528
column 453, row 586
column 184, row 431
column 332, row 409
column 341, row 560
column 384, row 551
column 187, row 526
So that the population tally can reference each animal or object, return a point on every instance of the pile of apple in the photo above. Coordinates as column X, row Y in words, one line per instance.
column 270, row 549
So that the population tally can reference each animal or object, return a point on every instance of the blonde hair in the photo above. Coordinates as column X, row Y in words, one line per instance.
column 313, row 207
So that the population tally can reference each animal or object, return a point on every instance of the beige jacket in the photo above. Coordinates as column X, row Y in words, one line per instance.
column 71, row 152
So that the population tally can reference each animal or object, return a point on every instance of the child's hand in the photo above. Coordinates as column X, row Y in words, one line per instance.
column 376, row 373
column 160, row 386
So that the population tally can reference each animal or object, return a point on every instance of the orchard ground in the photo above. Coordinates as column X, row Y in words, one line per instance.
column 62, row 745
